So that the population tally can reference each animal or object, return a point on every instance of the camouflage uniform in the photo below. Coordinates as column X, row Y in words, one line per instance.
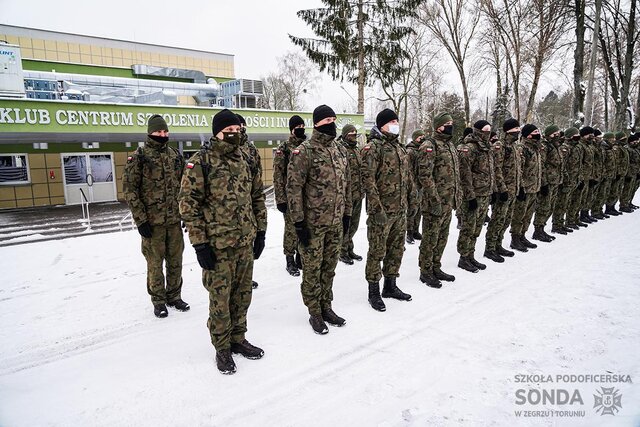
column 414, row 212
column 508, row 179
column 319, row 194
column 564, row 189
column 223, row 205
column 357, row 194
column 439, row 181
column 151, row 182
column 587, row 172
column 598, row 170
column 629, row 188
column 477, row 177
column 387, row 182
column 575, row 164
column 609, row 173
column 551, row 176
column 280, row 165
column 531, row 179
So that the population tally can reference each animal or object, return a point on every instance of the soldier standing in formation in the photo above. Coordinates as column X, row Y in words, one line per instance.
column 438, row 178
column 551, row 161
column 413, row 221
column 387, row 183
column 349, row 139
column 280, row 164
column 477, row 177
column 223, row 206
column 319, row 200
column 151, row 183
column 629, row 189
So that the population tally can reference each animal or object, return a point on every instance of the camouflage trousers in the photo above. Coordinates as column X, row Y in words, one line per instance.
column 586, row 196
column 596, row 200
column 290, row 241
column 628, row 191
column 616, row 189
column 545, row 205
column 604, row 192
column 229, row 286
column 522, row 214
column 386, row 246
column 347, row 240
column 501, row 214
column 435, row 233
column 166, row 244
column 573, row 208
column 562, row 203
column 472, row 222
column 413, row 221
column 320, row 259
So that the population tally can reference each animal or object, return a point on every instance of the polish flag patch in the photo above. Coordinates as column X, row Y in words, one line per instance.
column 296, row 151
column 190, row 165
column 428, row 150
column 366, row 147
column 129, row 158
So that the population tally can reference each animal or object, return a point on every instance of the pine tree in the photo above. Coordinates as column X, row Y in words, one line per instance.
column 359, row 40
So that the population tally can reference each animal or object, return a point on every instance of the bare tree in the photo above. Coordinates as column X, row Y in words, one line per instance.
column 284, row 89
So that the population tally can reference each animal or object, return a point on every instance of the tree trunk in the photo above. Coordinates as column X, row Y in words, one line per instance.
column 588, row 113
column 361, row 70
column 578, row 66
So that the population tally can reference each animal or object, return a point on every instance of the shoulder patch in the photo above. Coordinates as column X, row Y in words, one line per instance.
column 278, row 152
column 428, row 150
column 129, row 159
column 190, row 165
column 367, row 147
column 296, row 151
column 463, row 149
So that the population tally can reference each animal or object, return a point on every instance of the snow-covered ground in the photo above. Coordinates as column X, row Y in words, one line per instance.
column 79, row 344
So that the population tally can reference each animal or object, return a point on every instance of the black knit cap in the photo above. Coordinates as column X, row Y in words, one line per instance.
column 322, row 112
column 295, row 121
column 156, row 123
column 223, row 119
column 587, row 130
column 528, row 130
column 467, row 131
column 633, row 137
column 510, row 124
column 242, row 120
column 480, row 124
column 384, row 117
column 597, row 132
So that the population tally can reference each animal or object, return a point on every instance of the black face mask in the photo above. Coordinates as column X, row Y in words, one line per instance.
column 511, row 137
column 535, row 137
column 328, row 129
column 576, row 138
column 159, row 139
column 233, row 138
column 448, row 130
column 299, row 133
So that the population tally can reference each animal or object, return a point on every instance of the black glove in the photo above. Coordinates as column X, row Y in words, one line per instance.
column 494, row 197
column 592, row 182
column 145, row 230
column 626, row 179
column 638, row 176
column 522, row 196
column 303, row 233
column 618, row 177
column 472, row 204
column 581, row 185
column 504, row 196
column 346, row 220
column 258, row 244
column 206, row 257
column 544, row 190
column 282, row 207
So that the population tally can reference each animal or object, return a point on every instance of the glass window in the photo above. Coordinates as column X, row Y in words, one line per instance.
column 14, row 169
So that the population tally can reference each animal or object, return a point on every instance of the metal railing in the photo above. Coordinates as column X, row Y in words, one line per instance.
column 124, row 218
column 85, row 209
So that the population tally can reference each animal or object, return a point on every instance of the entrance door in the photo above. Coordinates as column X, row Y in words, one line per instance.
column 91, row 174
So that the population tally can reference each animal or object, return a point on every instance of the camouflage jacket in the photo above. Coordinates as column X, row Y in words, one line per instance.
column 477, row 170
column 412, row 151
column 609, row 162
column 439, row 173
column 221, row 200
column 573, row 164
column 497, row 151
column 252, row 156
column 355, row 170
column 598, row 161
column 634, row 161
column 386, row 176
column 151, row 183
column 509, row 162
column 587, row 160
column 552, row 166
column 622, row 159
column 318, row 188
column 531, row 165
column 281, row 159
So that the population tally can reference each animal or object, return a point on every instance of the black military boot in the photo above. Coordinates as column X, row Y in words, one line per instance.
column 346, row 259
column 318, row 325
column 549, row 237
column 567, row 228
column 225, row 362
column 527, row 243
column 179, row 305
column 634, row 207
column 493, row 255
column 410, row 239
column 477, row 263
column 584, row 217
column 292, row 268
column 254, row 284
column 558, row 230
column 537, row 234
column 504, row 252
column 160, row 310
column 517, row 244
column 430, row 280
column 246, row 349
column 332, row 318
column 598, row 215
column 441, row 275
column 466, row 264
column 611, row 210
column 626, row 209
column 298, row 259
column 354, row 256
column 606, row 216
column 417, row 235
column 391, row 290
column 374, row 297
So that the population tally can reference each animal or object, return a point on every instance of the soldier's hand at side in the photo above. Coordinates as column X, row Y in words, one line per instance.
column 544, row 190
column 282, row 207
column 380, row 218
column 436, row 208
column 581, row 185
column 206, row 257
column 145, row 230
column 592, row 182
column 258, row 244
column 303, row 233
column 627, row 179
column 494, row 197
column 522, row 196
column 504, row 196
column 346, row 220
column 472, row 204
